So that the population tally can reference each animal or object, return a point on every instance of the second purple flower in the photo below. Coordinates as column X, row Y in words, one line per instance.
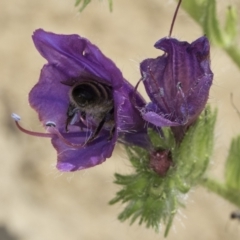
column 178, row 82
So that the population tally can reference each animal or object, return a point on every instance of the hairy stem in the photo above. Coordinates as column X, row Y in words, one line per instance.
column 234, row 54
column 231, row 195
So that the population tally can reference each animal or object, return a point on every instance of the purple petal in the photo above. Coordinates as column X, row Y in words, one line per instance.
column 74, row 55
column 49, row 97
column 128, row 117
column 71, row 159
column 158, row 120
column 178, row 82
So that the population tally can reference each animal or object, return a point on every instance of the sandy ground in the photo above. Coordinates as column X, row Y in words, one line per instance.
column 39, row 203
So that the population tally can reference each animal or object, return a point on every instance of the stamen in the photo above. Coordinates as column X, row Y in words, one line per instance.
column 135, row 93
column 174, row 18
column 55, row 131
column 36, row 134
column 51, row 127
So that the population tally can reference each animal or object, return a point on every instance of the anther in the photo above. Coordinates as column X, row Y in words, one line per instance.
column 50, row 124
column 179, row 87
column 15, row 117
column 161, row 91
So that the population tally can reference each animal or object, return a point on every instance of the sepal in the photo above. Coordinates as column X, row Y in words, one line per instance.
column 153, row 199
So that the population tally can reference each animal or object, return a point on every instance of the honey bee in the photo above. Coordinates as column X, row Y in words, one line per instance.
column 92, row 101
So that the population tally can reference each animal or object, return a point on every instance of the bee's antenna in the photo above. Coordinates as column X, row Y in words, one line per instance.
column 174, row 18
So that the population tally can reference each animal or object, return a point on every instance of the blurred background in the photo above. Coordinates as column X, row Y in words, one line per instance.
column 39, row 203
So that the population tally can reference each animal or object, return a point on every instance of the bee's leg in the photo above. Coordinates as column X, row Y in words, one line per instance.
column 70, row 115
column 97, row 130
column 106, row 118
column 111, row 120
column 67, row 123
column 111, row 132
column 83, row 119
column 83, row 116
column 69, row 118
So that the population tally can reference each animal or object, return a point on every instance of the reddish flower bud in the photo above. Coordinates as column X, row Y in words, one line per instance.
column 161, row 161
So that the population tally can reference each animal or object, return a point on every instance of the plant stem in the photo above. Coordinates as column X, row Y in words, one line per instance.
column 231, row 195
column 234, row 54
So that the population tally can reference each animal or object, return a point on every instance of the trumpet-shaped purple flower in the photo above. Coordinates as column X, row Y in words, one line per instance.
column 83, row 102
column 177, row 82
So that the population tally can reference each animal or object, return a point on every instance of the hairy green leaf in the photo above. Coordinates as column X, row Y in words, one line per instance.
column 232, row 169
column 231, row 25
column 84, row 3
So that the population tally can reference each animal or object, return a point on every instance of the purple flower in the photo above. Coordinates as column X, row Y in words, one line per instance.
column 177, row 82
column 83, row 101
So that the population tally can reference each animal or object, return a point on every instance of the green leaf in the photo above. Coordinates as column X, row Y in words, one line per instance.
column 110, row 3
column 232, row 168
column 84, row 4
column 232, row 195
column 152, row 199
column 231, row 25
column 210, row 23
column 230, row 189
column 77, row 2
column 194, row 8
column 205, row 14
column 196, row 148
